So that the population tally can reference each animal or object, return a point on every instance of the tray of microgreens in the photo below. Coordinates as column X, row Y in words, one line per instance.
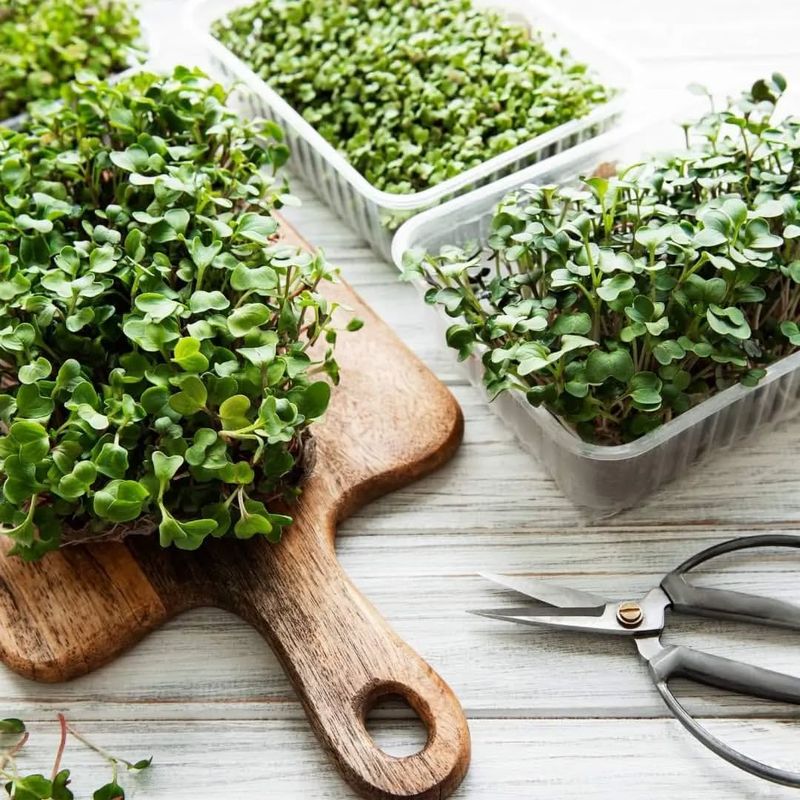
column 630, row 315
column 392, row 107
column 156, row 364
column 45, row 43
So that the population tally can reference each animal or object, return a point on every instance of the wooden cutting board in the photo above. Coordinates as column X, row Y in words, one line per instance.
column 390, row 422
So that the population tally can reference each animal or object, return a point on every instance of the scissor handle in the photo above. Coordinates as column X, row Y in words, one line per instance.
column 683, row 662
column 726, row 604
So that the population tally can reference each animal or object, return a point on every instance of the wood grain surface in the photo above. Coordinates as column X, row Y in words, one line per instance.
column 390, row 422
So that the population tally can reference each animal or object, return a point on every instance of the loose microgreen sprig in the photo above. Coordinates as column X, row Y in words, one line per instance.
column 44, row 43
column 16, row 786
column 412, row 92
column 158, row 345
column 622, row 302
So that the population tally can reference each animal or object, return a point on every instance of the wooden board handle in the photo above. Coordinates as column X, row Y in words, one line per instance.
column 342, row 657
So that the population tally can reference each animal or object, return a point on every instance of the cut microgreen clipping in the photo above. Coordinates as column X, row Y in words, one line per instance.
column 44, row 43
column 16, row 786
column 157, row 342
column 411, row 92
column 622, row 302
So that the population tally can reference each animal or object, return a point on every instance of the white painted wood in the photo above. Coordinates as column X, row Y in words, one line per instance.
column 552, row 715
column 512, row 759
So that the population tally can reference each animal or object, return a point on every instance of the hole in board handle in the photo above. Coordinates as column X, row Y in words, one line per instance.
column 395, row 726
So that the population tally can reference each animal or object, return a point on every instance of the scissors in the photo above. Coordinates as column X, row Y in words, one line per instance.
column 643, row 621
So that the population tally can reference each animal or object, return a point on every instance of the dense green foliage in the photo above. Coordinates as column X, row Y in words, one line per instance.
column 624, row 301
column 18, row 786
column 44, row 43
column 412, row 92
column 154, row 337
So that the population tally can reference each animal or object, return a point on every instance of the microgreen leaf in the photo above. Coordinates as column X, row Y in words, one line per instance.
column 188, row 355
column 602, row 365
column 155, row 306
column 191, row 398
column 313, row 401
column 165, row 467
column 120, row 501
column 791, row 331
column 728, row 321
column 110, row 791
column 112, row 460
column 248, row 317
column 611, row 288
column 35, row 371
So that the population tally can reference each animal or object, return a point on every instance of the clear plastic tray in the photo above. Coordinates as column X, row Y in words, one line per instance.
column 605, row 479
column 377, row 214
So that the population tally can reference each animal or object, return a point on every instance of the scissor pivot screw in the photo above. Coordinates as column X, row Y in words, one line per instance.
column 630, row 614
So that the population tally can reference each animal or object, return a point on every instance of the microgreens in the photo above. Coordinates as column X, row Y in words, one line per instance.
column 415, row 91
column 622, row 302
column 157, row 343
column 16, row 786
column 44, row 43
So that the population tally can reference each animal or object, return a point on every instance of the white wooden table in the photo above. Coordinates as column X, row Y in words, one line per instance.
column 552, row 715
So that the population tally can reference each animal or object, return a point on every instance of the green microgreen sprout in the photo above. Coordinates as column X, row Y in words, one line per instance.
column 45, row 43
column 621, row 302
column 162, row 353
column 17, row 786
column 411, row 92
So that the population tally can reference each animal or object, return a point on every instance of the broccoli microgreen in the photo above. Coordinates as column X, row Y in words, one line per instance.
column 162, row 353
column 621, row 302
column 412, row 92
column 44, row 43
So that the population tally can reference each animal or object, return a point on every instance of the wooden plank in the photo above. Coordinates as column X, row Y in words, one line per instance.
column 492, row 667
column 514, row 759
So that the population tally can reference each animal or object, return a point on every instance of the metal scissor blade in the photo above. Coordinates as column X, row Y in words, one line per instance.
column 602, row 619
column 546, row 592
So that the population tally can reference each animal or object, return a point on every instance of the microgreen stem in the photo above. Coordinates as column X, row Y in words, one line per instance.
column 62, row 743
